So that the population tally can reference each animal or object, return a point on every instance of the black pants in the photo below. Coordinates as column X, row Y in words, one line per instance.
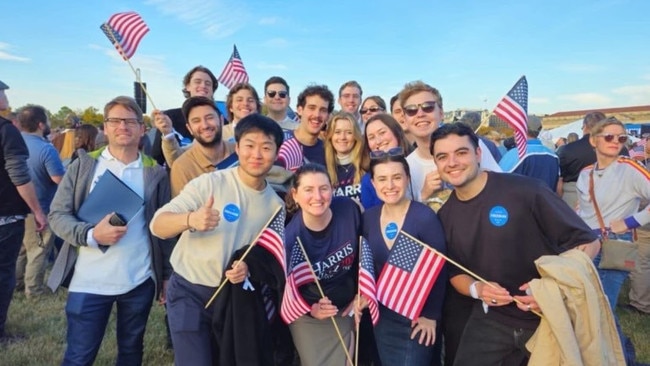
column 487, row 342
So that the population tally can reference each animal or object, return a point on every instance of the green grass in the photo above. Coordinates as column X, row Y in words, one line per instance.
column 43, row 322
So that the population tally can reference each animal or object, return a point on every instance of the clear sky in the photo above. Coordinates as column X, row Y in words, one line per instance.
column 577, row 54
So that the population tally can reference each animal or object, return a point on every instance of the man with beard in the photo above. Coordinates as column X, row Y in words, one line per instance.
column 173, row 134
column 315, row 104
column 46, row 170
column 208, row 150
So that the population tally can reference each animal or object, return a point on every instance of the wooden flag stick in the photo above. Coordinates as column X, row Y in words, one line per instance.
column 322, row 294
column 465, row 269
column 356, row 341
column 121, row 51
column 243, row 256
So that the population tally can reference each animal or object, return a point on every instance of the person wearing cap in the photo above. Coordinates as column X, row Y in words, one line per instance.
column 172, row 133
column 539, row 161
column 18, row 199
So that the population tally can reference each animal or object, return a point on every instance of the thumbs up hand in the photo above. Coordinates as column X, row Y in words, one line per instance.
column 205, row 218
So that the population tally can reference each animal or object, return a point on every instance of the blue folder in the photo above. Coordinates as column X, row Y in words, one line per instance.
column 110, row 194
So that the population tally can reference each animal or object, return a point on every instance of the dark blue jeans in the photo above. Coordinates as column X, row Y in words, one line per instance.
column 394, row 343
column 87, row 319
column 11, row 238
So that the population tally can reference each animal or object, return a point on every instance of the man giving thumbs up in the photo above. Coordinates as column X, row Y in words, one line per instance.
column 215, row 214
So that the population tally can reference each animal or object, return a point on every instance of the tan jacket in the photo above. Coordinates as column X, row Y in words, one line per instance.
column 578, row 326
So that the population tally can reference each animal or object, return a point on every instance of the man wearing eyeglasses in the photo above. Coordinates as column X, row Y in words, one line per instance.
column 277, row 100
column 350, row 94
column 577, row 155
column 108, row 263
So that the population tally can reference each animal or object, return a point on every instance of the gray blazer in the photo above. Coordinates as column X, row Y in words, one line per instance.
column 71, row 193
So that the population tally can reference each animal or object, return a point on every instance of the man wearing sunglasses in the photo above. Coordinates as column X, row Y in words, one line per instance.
column 576, row 156
column 423, row 113
column 277, row 100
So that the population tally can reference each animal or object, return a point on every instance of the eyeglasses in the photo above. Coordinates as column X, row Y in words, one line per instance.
column 427, row 107
column 116, row 122
column 609, row 138
column 371, row 110
column 381, row 154
column 272, row 93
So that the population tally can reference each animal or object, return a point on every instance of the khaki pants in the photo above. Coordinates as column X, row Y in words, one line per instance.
column 570, row 194
column 640, row 277
column 30, row 267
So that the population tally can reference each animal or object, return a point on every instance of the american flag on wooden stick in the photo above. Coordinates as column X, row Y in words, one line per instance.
column 367, row 286
column 293, row 305
column 125, row 31
column 408, row 276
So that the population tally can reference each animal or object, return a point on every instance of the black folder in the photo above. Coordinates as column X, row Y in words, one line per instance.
column 110, row 194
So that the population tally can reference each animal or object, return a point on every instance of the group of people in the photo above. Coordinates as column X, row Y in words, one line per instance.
column 386, row 182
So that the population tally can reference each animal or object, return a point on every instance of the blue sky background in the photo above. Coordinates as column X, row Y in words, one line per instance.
column 579, row 54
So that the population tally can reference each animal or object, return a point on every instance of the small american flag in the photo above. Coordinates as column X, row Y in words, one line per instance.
column 513, row 109
column 290, row 154
column 293, row 305
column 367, row 286
column 234, row 72
column 272, row 238
column 125, row 31
column 408, row 276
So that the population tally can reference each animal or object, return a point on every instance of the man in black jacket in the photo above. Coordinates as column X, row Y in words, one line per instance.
column 18, row 199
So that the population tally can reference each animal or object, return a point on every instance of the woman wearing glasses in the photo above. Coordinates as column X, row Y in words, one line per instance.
column 371, row 106
column 619, row 184
column 329, row 230
column 343, row 144
column 400, row 340
column 382, row 133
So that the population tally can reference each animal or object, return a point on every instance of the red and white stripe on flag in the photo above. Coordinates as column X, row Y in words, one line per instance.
column 513, row 109
column 128, row 29
column 234, row 72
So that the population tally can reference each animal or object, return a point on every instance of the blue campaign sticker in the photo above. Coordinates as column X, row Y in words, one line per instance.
column 231, row 212
column 498, row 216
column 391, row 230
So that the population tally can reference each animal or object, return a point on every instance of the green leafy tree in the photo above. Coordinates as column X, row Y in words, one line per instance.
column 91, row 115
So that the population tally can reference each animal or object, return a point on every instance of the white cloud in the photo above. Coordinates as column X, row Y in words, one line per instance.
column 276, row 43
column 6, row 55
column 268, row 21
column 216, row 18
column 646, row 77
column 267, row 66
column 587, row 99
column 634, row 94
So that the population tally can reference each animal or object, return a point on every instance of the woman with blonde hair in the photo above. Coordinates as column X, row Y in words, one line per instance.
column 610, row 193
column 343, row 144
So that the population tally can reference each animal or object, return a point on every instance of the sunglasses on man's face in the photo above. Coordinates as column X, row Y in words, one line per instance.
column 427, row 107
column 272, row 93
column 371, row 110
column 609, row 138
column 381, row 154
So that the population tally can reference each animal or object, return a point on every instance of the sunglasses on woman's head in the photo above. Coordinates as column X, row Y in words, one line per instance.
column 609, row 137
column 380, row 154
